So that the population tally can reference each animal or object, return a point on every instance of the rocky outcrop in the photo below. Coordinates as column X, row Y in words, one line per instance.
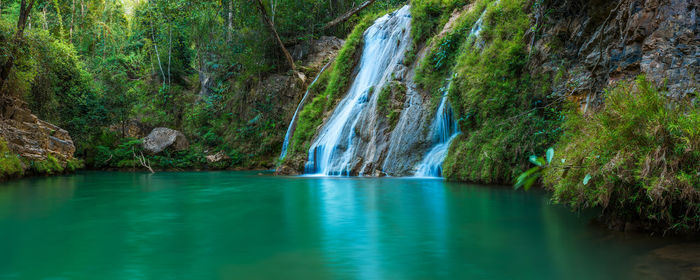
column 162, row 138
column 317, row 52
column 588, row 45
column 32, row 139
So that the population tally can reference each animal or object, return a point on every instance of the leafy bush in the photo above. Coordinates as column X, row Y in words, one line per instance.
column 638, row 159
column 49, row 166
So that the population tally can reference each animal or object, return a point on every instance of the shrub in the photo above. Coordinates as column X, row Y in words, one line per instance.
column 10, row 163
column 640, row 155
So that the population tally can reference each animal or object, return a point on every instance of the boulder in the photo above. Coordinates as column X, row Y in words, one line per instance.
column 162, row 138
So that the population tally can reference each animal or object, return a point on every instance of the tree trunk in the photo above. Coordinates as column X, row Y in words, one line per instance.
column 170, row 51
column 347, row 15
column 229, row 30
column 45, row 24
column 261, row 7
column 155, row 45
column 22, row 20
column 72, row 21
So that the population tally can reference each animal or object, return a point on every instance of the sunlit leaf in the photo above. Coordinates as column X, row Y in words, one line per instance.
column 550, row 155
column 586, row 179
column 536, row 161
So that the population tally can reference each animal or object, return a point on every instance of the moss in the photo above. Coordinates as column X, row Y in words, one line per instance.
column 440, row 60
column 10, row 164
column 390, row 102
column 51, row 165
column 642, row 156
column 428, row 16
column 502, row 110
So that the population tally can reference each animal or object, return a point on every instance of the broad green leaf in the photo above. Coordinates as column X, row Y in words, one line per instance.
column 535, row 160
column 523, row 178
column 530, row 181
column 586, row 179
column 550, row 155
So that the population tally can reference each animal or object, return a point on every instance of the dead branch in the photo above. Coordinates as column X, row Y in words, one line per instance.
column 142, row 160
column 347, row 15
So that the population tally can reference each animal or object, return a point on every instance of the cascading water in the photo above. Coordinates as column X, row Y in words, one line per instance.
column 444, row 129
column 385, row 44
column 292, row 123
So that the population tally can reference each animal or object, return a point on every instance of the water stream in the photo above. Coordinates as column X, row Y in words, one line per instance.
column 292, row 123
column 444, row 130
column 385, row 43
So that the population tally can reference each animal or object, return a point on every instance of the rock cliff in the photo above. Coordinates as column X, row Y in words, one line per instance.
column 588, row 45
column 33, row 141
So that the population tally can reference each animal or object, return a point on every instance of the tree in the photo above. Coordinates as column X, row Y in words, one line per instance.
column 24, row 10
column 271, row 25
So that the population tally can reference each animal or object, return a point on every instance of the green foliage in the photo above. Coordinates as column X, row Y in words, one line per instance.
column 390, row 101
column 10, row 163
column 638, row 158
column 49, row 166
column 504, row 113
column 429, row 15
column 529, row 177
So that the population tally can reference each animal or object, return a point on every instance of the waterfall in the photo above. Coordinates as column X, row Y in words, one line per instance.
column 292, row 123
column 444, row 127
column 385, row 44
column 443, row 130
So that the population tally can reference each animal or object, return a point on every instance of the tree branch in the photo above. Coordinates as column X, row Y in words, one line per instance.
column 347, row 15
column 261, row 7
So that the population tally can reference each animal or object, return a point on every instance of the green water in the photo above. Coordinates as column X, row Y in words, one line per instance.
column 240, row 225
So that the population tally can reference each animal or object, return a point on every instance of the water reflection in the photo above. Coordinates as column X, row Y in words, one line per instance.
column 233, row 225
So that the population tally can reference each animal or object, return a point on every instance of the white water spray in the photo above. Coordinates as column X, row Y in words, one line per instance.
column 444, row 130
column 385, row 44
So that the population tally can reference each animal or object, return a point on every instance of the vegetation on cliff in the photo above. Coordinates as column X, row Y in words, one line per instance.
column 639, row 157
column 500, row 106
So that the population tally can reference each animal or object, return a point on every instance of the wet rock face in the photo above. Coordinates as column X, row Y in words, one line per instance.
column 162, row 138
column 30, row 137
column 593, row 44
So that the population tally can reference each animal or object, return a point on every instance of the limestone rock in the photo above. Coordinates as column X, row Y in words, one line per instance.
column 162, row 137
column 594, row 44
column 31, row 138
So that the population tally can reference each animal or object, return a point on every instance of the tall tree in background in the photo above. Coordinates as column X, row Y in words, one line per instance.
column 24, row 10
column 271, row 25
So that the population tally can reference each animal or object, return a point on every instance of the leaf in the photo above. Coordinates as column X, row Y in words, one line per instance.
column 531, row 181
column 550, row 155
column 536, row 161
column 586, row 179
column 524, row 178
